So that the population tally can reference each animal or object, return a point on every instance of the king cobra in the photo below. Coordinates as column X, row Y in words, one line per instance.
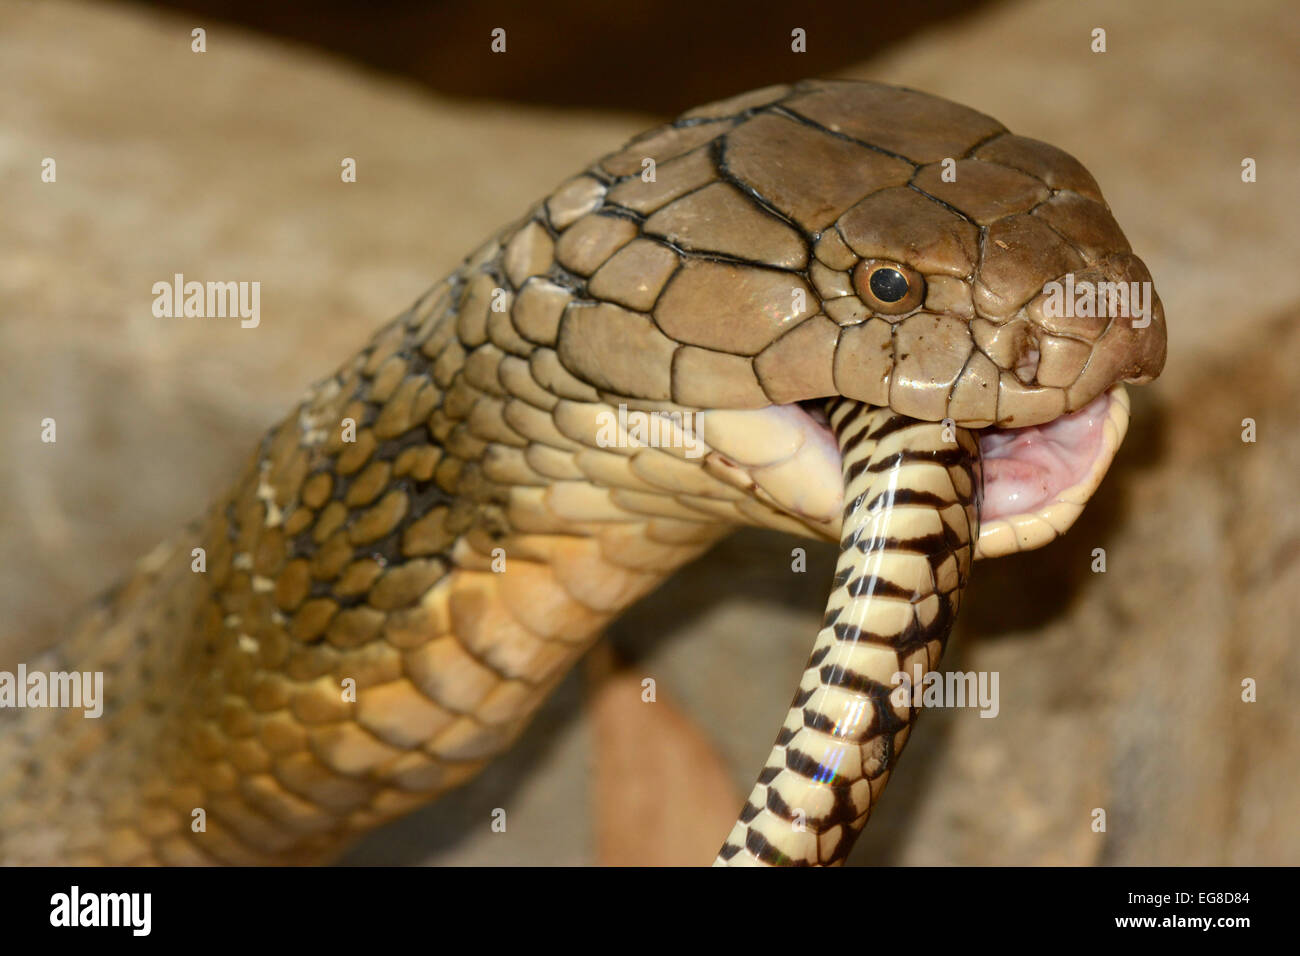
column 838, row 303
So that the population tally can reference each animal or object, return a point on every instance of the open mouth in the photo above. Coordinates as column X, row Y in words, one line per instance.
column 1037, row 479
column 1026, row 468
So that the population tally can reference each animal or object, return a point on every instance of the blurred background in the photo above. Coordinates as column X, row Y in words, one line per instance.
column 1119, row 690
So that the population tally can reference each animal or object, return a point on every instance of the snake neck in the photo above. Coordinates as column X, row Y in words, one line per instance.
column 408, row 564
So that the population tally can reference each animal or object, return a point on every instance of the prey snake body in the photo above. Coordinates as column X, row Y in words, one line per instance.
column 414, row 556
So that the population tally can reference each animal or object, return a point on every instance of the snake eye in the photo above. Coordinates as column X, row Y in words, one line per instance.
column 888, row 287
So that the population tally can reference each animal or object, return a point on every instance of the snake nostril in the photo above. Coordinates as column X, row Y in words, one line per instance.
column 1027, row 366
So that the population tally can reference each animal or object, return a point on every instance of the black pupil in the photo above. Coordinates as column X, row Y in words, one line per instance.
column 888, row 285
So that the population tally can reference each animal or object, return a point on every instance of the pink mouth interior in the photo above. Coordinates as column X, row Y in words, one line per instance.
column 1025, row 468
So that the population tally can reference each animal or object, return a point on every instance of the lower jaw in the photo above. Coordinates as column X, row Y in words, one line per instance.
column 1031, row 493
column 1023, row 522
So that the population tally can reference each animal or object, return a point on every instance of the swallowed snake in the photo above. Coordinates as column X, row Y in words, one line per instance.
column 830, row 308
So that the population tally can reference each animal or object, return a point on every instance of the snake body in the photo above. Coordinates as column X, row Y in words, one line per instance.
column 414, row 557
column 911, row 492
